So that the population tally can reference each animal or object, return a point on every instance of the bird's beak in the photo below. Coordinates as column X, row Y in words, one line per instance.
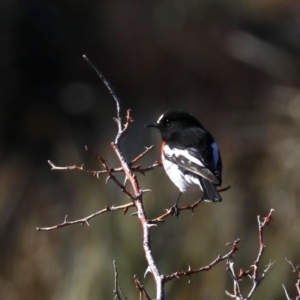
column 155, row 125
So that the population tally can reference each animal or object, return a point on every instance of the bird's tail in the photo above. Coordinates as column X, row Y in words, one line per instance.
column 210, row 192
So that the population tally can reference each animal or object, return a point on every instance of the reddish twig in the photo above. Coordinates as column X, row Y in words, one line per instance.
column 129, row 170
column 296, row 269
column 113, row 177
column 112, row 93
column 142, row 216
column 79, row 168
column 141, row 155
column 190, row 272
column 140, row 288
column 252, row 275
column 170, row 212
column 86, row 220
column 136, row 168
column 191, row 207
column 135, row 185
column 261, row 225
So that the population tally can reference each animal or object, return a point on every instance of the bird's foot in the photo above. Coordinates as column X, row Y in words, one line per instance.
column 175, row 211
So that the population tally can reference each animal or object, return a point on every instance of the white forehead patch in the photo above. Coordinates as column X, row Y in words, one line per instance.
column 159, row 119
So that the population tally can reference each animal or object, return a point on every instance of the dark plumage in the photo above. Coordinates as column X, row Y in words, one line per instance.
column 190, row 155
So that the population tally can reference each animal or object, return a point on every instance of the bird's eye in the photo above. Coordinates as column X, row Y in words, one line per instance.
column 167, row 122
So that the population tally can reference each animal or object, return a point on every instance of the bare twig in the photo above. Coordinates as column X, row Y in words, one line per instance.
column 189, row 272
column 117, row 291
column 140, row 288
column 112, row 93
column 252, row 275
column 170, row 211
column 136, row 168
column 296, row 269
column 76, row 167
column 130, row 169
column 141, row 155
column 286, row 293
column 142, row 216
column 125, row 298
column 86, row 220
column 261, row 225
column 113, row 177
column 135, row 185
column 236, row 286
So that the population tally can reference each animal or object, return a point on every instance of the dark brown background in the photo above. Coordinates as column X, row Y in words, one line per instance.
column 234, row 64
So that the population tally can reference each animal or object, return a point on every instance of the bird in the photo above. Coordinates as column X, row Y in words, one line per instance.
column 189, row 154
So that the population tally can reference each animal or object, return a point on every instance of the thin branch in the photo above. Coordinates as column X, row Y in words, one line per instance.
column 252, row 275
column 79, row 168
column 142, row 216
column 117, row 291
column 86, row 220
column 261, row 225
column 128, row 169
column 257, row 281
column 112, row 93
column 236, row 286
column 141, row 155
column 113, row 177
column 286, row 293
column 125, row 298
column 296, row 269
column 125, row 128
column 170, row 211
column 135, row 185
column 189, row 272
column 137, row 168
column 140, row 288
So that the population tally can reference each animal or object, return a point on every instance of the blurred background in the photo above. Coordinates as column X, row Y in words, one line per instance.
column 235, row 65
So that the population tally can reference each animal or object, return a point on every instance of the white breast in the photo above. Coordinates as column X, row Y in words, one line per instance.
column 184, row 182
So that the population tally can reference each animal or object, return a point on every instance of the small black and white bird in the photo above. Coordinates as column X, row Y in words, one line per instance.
column 189, row 154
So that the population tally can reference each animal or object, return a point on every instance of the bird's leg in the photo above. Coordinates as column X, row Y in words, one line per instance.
column 175, row 210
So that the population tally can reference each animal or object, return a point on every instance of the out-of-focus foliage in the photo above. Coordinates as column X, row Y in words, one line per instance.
column 234, row 64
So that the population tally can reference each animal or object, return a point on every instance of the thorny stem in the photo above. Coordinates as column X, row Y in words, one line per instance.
column 140, row 288
column 252, row 275
column 261, row 225
column 296, row 269
column 219, row 258
column 142, row 216
column 88, row 218
column 112, row 177
column 191, row 207
column 135, row 185
column 116, row 289
column 136, row 168
column 128, row 168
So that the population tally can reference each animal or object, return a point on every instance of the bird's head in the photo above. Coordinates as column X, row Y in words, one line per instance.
column 173, row 121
